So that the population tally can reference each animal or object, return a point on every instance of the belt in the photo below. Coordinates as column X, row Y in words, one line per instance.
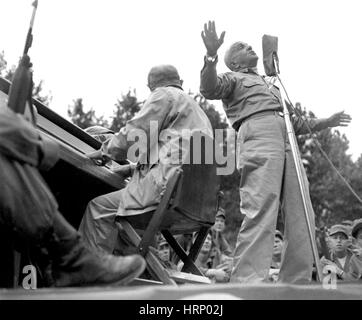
column 259, row 114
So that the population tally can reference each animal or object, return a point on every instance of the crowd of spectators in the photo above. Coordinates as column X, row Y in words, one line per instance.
column 343, row 256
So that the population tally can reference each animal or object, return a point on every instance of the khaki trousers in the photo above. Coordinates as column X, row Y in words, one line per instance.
column 98, row 227
column 268, row 180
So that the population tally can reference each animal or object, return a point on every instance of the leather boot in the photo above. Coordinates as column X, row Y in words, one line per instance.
column 76, row 265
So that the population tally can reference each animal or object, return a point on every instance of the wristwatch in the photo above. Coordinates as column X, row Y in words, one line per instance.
column 211, row 58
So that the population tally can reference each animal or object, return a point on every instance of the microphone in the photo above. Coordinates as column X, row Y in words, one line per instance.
column 270, row 55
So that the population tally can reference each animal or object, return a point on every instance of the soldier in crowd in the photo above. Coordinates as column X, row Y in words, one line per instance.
column 277, row 256
column 164, row 253
column 218, row 233
column 343, row 261
column 210, row 261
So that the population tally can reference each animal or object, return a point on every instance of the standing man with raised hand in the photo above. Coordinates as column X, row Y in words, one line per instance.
column 265, row 161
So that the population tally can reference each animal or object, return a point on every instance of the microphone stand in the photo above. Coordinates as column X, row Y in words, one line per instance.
column 302, row 181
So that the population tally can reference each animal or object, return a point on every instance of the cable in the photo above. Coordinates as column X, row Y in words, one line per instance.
column 318, row 143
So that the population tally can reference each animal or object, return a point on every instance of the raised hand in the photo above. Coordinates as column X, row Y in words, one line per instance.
column 211, row 40
column 339, row 119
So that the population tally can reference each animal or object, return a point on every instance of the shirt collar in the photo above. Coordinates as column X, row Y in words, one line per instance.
column 249, row 70
column 175, row 85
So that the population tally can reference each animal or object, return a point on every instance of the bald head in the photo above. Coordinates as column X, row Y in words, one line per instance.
column 240, row 55
column 162, row 76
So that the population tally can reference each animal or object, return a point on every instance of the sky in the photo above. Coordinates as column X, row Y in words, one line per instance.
column 97, row 50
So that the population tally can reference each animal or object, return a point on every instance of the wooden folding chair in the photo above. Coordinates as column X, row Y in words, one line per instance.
column 188, row 205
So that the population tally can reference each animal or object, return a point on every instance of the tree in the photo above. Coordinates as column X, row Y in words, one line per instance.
column 125, row 110
column 8, row 73
column 332, row 201
column 3, row 64
column 217, row 121
column 84, row 119
column 38, row 93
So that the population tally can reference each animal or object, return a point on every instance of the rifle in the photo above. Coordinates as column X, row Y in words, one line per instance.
column 22, row 83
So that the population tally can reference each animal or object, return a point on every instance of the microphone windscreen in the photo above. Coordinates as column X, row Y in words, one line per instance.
column 270, row 48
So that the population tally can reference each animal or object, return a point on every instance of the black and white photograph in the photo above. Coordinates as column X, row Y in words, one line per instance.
column 188, row 152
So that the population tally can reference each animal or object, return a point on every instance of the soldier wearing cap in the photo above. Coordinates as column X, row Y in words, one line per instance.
column 210, row 261
column 265, row 161
column 346, row 264
column 159, row 126
column 217, row 233
column 164, row 253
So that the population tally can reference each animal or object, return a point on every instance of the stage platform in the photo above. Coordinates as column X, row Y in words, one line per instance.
column 350, row 291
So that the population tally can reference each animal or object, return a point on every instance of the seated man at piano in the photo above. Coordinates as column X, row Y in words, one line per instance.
column 160, row 125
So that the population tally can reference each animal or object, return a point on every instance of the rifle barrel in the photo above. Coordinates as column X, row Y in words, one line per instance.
column 29, row 37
